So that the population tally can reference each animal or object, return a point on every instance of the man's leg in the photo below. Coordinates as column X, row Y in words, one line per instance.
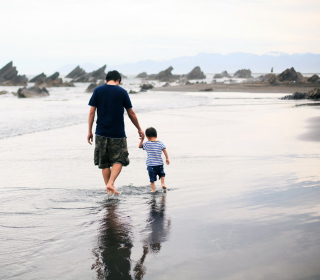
column 115, row 171
column 106, row 172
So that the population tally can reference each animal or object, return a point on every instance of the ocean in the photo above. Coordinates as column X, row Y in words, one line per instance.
column 242, row 199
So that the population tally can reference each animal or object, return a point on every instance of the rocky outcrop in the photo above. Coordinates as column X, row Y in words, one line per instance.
column 76, row 73
column 9, row 76
column 145, row 87
column 314, row 79
column 243, row 73
column 3, row 92
column 52, row 81
column 92, row 86
column 224, row 74
column 39, row 77
column 289, row 75
column 312, row 94
column 32, row 92
column 142, row 75
column 164, row 76
column 92, row 77
column 196, row 74
column 268, row 78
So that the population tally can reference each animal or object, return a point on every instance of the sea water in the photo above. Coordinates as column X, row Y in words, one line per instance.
column 242, row 199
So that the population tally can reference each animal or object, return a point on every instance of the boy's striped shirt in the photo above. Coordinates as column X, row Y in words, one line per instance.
column 154, row 150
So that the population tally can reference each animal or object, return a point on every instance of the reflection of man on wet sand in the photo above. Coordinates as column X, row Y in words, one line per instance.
column 158, row 229
column 113, row 254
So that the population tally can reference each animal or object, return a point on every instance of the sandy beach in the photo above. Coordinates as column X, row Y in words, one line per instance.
column 242, row 200
column 241, row 87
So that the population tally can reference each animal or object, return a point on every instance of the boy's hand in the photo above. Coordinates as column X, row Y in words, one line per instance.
column 167, row 161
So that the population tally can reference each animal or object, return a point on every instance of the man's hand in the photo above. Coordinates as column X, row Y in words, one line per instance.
column 141, row 134
column 90, row 138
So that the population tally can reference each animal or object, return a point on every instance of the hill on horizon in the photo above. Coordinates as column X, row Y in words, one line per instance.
column 216, row 63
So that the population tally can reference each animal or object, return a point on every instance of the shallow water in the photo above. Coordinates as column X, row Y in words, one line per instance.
column 243, row 198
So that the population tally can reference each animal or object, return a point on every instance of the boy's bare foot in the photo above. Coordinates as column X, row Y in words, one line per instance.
column 164, row 187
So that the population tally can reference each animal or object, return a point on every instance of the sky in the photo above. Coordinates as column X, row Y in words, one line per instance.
column 41, row 35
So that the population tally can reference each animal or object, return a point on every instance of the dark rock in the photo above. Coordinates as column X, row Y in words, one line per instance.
column 206, row 89
column 32, row 92
column 196, row 74
column 268, row 78
column 92, row 86
column 146, row 87
column 164, row 76
column 52, row 81
column 312, row 94
column 3, row 92
column 289, row 75
column 166, row 85
column 224, row 74
column 92, row 77
column 36, row 78
column 132, row 91
column 76, row 72
column 9, row 76
column 315, row 78
column 243, row 73
column 142, row 75
column 296, row 96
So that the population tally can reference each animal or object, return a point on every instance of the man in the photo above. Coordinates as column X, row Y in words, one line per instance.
column 111, row 152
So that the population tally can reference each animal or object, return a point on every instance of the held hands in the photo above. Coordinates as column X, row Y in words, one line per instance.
column 141, row 134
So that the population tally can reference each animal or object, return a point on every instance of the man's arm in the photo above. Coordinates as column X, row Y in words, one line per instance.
column 166, row 155
column 91, row 115
column 133, row 117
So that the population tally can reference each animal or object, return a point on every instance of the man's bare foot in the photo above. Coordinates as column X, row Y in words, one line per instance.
column 112, row 190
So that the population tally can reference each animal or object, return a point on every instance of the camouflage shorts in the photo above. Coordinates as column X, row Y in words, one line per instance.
column 109, row 151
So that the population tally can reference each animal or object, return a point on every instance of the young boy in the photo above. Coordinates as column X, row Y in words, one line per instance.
column 154, row 159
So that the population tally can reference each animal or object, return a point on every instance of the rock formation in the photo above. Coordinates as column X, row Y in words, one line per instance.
column 224, row 74
column 164, row 76
column 52, row 81
column 76, row 73
column 32, row 92
column 268, row 78
column 142, row 75
column 145, row 87
column 243, row 73
column 39, row 77
column 92, row 77
column 196, row 74
column 314, row 79
column 312, row 94
column 3, row 92
column 289, row 75
column 92, row 86
column 9, row 76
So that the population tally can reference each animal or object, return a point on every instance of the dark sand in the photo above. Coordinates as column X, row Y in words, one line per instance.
column 241, row 87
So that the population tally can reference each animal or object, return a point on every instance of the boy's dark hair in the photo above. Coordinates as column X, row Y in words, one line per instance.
column 151, row 132
column 113, row 76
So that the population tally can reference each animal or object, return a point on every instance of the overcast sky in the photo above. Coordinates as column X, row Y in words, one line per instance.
column 40, row 35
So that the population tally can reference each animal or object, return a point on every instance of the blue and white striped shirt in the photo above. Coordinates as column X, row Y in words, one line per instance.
column 154, row 150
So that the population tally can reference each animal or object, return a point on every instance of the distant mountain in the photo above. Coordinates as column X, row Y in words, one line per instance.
column 216, row 63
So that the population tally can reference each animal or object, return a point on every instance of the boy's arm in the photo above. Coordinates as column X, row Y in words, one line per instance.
column 166, row 155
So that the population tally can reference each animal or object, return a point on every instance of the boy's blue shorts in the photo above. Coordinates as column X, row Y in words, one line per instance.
column 154, row 171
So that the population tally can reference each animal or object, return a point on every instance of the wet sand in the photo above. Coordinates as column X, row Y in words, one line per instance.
column 241, row 87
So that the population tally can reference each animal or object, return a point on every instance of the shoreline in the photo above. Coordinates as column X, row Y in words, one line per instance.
column 241, row 87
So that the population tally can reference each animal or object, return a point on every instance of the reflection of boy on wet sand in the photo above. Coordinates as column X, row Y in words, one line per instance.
column 158, row 227
column 154, row 149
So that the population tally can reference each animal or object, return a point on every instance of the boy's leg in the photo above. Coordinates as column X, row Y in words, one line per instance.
column 153, row 186
column 162, row 183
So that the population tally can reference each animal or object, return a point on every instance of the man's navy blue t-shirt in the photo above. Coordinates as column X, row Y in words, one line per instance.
column 110, row 101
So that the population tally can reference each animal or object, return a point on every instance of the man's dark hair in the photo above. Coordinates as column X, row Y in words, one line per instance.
column 151, row 132
column 113, row 76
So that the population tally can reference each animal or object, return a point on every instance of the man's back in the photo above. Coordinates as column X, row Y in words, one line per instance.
column 110, row 101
